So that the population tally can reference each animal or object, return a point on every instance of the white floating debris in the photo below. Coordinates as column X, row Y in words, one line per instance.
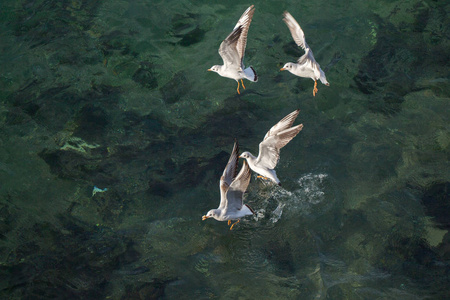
column 98, row 190
column 77, row 144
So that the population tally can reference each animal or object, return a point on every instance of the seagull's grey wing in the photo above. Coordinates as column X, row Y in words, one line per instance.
column 296, row 30
column 237, row 189
column 283, row 124
column 244, row 22
column 269, row 149
column 228, row 49
column 229, row 174
column 308, row 62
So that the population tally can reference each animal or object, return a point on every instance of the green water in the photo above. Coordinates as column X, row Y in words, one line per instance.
column 115, row 94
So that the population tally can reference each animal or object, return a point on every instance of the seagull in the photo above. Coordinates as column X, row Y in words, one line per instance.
column 232, row 52
column 269, row 149
column 306, row 66
column 232, row 189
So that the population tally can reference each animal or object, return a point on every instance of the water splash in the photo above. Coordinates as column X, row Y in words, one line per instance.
column 312, row 187
column 311, row 191
column 277, row 212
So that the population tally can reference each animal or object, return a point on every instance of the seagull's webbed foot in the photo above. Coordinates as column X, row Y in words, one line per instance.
column 229, row 221
column 315, row 90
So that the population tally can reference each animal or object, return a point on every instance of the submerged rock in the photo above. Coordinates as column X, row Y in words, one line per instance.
column 150, row 290
column 74, row 261
column 402, row 51
column 187, row 29
column 92, row 122
column 146, row 76
column 280, row 253
column 176, row 88
column 436, row 200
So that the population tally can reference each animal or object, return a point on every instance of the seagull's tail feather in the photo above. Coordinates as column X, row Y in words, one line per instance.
column 251, row 210
column 250, row 74
column 323, row 79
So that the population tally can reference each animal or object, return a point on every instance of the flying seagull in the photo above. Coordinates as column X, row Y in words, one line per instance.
column 232, row 51
column 269, row 149
column 232, row 189
column 306, row 66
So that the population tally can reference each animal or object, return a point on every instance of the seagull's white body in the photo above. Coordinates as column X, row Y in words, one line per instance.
column 232, row 189
column 232, row 51
column 224, row 216
column 269, row 149
column 306, row 66
column 260, row 168
column 236, row 73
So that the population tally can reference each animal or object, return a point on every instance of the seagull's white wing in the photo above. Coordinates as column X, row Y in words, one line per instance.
column 244, row 23
column 269, row 149
column 283, row 124
column 237, row 189
column 233, row 47
column 307, row 60
column 296, row 30
column 229, row 174
column 228, row 50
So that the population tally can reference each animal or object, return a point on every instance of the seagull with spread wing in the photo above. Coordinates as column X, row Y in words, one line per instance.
column 232, row 189
column 269, row 149
column 232, row 52
column 306, row 66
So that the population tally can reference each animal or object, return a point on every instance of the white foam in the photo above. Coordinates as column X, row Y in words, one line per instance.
column 277, row 212
column 311, row 192
column 311, row 187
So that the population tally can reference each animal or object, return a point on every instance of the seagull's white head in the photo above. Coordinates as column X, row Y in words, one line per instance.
column 245, row 155
column 213, row 213
column 215, row 68
column 287, row 67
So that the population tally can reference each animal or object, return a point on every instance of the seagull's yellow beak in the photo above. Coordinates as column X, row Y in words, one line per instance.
column 209, row 70
column 204, row 218
column 282, row 69
column 240, row 156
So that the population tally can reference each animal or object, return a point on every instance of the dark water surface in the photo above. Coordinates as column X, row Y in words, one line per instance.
column 115, row 94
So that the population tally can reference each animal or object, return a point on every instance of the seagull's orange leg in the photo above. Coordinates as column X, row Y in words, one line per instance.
column 231, row 228
column 242, row 81
column 229, row 222
column 262, row 177
column 315, row 90
column 238, row 88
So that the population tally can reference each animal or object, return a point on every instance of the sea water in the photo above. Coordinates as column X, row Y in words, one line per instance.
column 115, row 95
